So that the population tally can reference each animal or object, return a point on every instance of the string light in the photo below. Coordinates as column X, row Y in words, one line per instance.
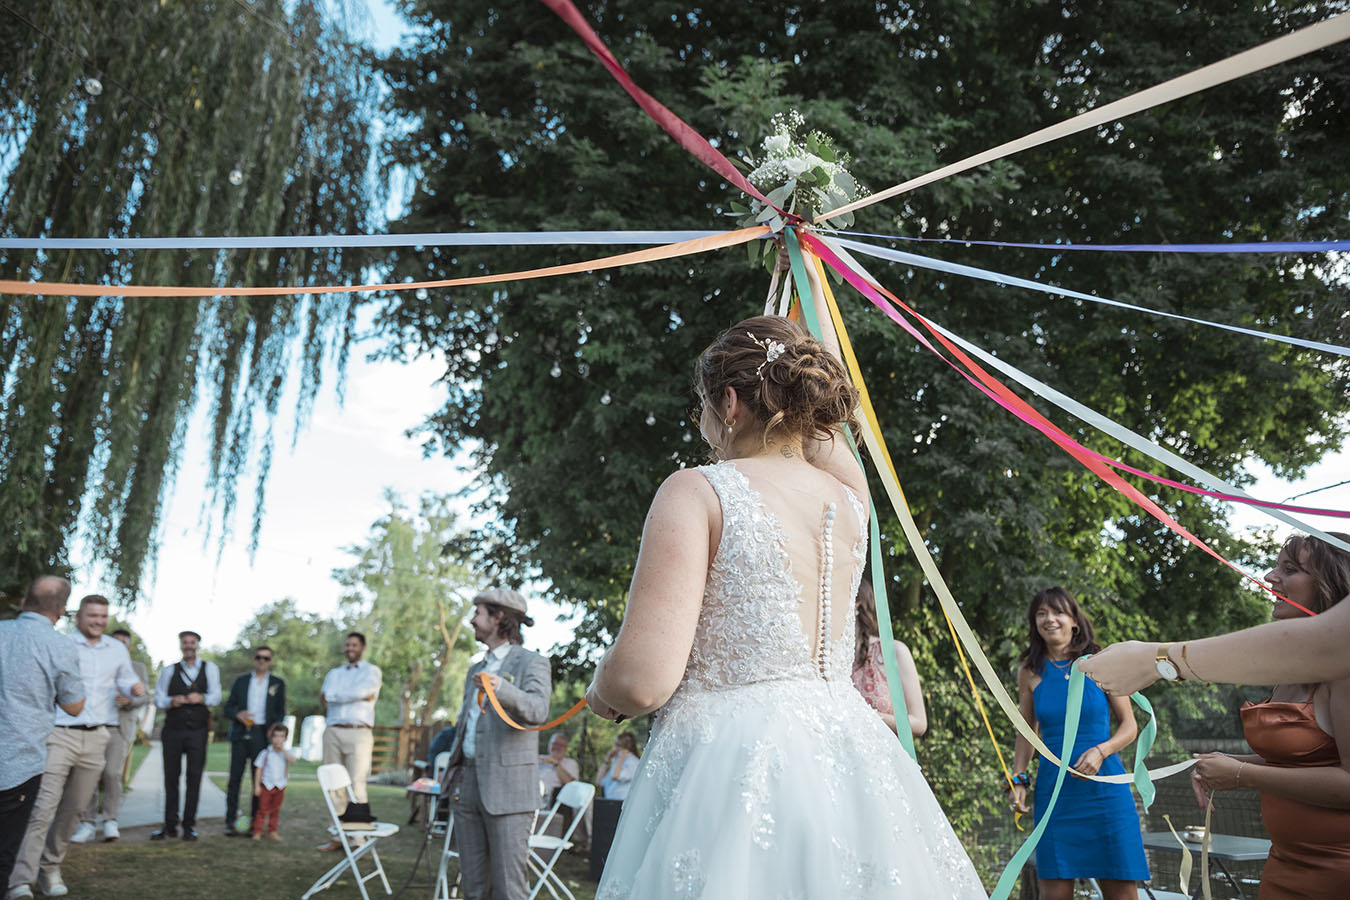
column 93, row 87
column 236, row 176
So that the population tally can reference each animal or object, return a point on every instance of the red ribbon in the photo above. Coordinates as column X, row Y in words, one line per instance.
column 1001, row 395
column 676, row 127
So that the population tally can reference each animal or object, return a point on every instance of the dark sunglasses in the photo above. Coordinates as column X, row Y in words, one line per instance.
column 263, row 658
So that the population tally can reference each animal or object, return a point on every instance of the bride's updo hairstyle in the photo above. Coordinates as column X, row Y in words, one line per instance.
column 801, row 391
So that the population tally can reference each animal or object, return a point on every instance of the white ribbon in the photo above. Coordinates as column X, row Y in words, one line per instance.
column 1100, row 422
column 1305, row 40
column 951, row 268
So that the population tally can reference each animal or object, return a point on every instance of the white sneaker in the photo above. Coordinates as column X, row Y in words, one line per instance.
column 22, row 892
column 84, row 833
column 111, row 831
column 51, row 885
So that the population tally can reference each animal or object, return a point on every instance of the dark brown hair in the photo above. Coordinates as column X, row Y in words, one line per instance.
column 1084, row 640
column 867, row 625
column 628, row 741
column 1328, row 566
column 93, row 600
column 508, row 623
column 803, row 392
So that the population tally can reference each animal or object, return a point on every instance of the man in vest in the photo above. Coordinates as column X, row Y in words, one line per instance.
column 186, row 692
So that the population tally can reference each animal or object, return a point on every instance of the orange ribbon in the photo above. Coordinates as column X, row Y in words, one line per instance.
column 488, row 694
column 651, row 254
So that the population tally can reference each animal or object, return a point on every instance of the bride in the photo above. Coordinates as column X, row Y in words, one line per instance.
column 767, row 775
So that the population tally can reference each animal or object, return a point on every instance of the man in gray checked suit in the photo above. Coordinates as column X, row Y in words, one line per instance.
column 494, row 765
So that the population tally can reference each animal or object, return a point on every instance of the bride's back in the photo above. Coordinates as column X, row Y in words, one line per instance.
column 779, row 600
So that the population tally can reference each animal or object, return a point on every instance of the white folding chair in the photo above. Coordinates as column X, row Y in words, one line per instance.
column 334, row 777
column 577, row 796
column 445, row 827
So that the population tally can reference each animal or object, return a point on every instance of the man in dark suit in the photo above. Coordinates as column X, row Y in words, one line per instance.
column 495, row 766
column 257, row 702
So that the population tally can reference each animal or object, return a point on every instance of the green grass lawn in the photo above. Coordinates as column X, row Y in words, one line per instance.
column 134, row 868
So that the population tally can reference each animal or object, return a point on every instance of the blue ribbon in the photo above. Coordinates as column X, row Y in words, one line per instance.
column 951, row 268
column 324, row 241
column 1231, row 248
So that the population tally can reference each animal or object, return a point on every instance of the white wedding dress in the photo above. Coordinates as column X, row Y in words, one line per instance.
column 767, row 775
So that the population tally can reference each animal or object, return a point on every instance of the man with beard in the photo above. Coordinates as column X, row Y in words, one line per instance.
column 348, row 696
column 76, row 750
column 186, row 692
column 494, row 765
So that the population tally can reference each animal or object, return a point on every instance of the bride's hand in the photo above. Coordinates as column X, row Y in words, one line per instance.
column 600, row 707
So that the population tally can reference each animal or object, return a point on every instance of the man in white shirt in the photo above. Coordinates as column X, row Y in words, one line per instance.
column 75, row 750
column 120, row 740
column 186, row 691
column 348, row 696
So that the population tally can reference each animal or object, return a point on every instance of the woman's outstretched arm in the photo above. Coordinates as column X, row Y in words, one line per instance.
column 1295, row 651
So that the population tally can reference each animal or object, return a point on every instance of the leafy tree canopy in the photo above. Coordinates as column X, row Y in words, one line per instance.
column 576, row 391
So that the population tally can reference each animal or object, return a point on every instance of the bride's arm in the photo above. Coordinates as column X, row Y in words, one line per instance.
column 647, row 661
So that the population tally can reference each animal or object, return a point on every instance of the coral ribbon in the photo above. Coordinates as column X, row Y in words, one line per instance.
column 486, row 693
column 1001, row 395
column 651, row 254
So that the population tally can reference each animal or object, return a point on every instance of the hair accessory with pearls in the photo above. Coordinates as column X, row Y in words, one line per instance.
column 772, row 350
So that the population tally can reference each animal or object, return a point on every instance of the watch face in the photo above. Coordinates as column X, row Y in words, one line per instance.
column 1167, row 669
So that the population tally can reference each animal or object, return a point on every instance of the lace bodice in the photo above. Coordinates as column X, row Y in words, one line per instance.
column 750, row 629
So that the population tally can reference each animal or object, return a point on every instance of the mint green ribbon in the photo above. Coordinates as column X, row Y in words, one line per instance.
column 888, row 659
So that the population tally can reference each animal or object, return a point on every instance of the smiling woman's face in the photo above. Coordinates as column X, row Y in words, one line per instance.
column 1293, row 581
column 1054, row 627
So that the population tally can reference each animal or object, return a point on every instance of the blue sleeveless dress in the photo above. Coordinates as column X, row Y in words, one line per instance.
column 1094, row 831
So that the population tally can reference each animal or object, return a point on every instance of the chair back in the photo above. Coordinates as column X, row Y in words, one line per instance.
column 333, row 777
column 440, row 764
column 577, row 794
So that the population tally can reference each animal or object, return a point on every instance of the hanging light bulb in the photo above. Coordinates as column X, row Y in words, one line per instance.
column 420, row 293
column 651, row 419
column 606, row 399
column 584, row 369
column 688, row 438
column 236, row 176
column 556, row 371
column 93, row 87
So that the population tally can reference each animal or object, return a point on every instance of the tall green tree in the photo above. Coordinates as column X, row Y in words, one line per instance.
column 575, row 392
column 183, row 119
column 410, row 596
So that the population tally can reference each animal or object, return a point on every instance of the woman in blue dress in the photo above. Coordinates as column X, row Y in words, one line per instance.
column 1094, row 831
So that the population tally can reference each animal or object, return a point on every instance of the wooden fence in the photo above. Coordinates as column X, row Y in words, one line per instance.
column 396, row 747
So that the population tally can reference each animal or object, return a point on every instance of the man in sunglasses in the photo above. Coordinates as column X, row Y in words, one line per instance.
column 257, row 702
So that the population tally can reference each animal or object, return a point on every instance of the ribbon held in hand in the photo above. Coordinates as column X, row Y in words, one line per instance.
column 487, row 695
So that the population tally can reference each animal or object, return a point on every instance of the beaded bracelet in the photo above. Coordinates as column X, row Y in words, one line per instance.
column 1020, row 778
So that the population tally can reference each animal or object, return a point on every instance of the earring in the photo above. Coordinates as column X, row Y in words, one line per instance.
column 729, row 424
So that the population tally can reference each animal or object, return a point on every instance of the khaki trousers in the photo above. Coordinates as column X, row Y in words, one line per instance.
column 351, row 748
column 110, row 782
column 74, row 763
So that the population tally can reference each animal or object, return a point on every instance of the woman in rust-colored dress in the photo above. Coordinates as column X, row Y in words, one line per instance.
column 1301, row 736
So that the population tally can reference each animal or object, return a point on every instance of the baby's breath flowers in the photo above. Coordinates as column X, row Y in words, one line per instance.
column 803, row 175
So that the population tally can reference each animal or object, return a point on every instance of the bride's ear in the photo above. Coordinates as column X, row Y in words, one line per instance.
column 731, row 405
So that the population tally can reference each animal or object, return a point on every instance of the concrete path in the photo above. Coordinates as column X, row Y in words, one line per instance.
column 143, row 804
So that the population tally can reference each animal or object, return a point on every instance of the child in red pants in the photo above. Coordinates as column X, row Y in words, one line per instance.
column 270, row 771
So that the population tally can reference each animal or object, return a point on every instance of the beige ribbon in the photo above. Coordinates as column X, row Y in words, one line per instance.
column 1303, row 41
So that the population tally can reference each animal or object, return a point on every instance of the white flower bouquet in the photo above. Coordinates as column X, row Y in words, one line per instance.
column 802, row 175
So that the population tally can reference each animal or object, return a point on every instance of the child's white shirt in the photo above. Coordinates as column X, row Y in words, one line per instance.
column 274, row 765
